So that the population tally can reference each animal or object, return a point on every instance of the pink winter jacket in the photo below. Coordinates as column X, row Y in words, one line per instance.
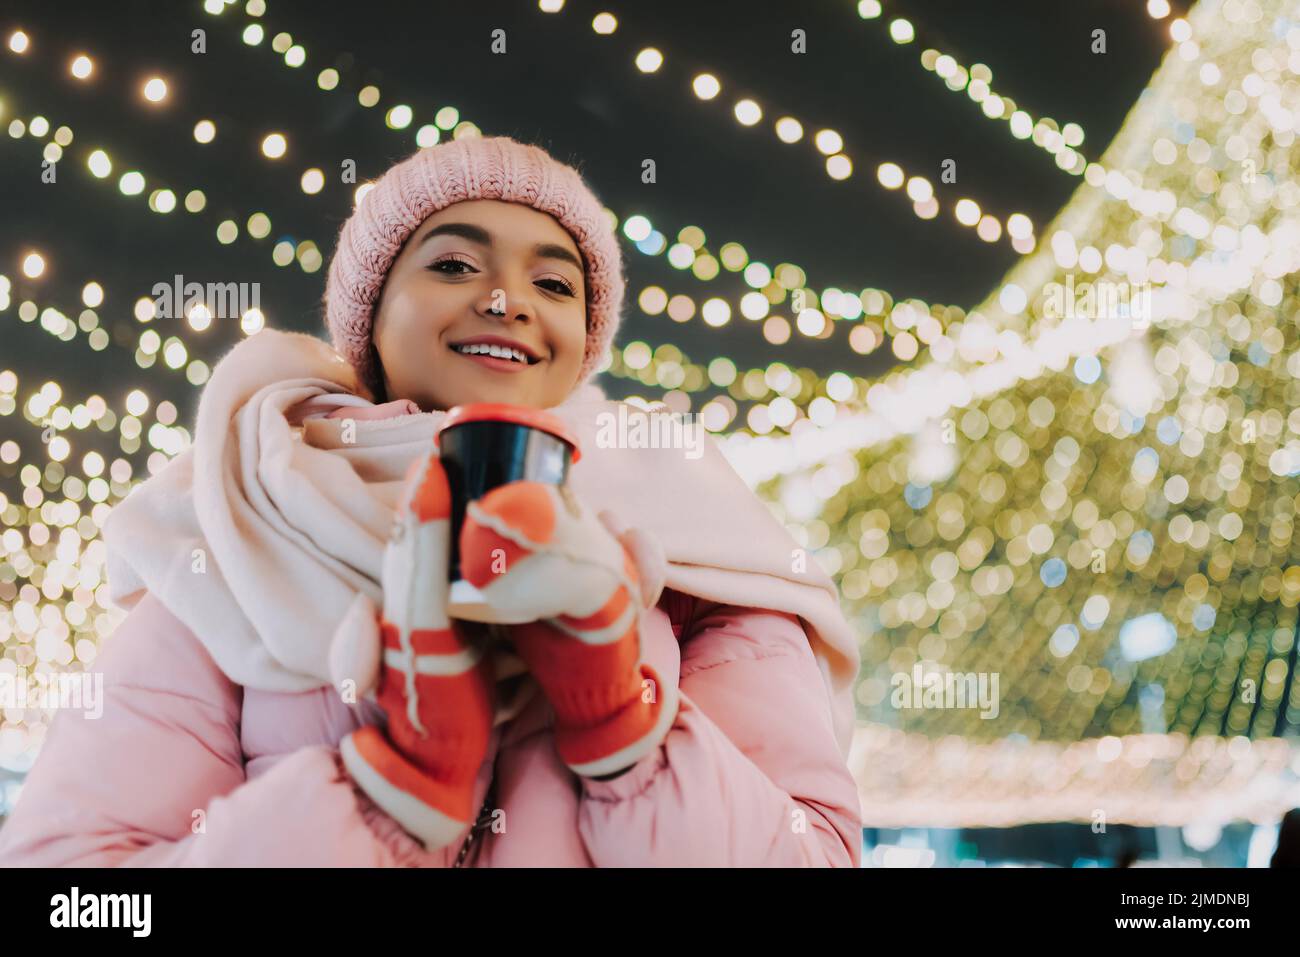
column 185, row 767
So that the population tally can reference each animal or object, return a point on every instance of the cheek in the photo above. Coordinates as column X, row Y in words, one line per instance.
column 409, row 316
column 575, row 340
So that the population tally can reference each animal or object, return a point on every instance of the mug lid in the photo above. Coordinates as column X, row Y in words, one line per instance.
column 516, row 414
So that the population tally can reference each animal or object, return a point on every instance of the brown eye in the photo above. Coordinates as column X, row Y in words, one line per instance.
column 451, row 266
column 565, row 288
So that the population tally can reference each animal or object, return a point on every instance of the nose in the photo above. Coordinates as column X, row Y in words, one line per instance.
column 504, row 303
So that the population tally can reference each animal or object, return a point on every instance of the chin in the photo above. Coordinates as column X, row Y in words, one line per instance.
column 479, row 393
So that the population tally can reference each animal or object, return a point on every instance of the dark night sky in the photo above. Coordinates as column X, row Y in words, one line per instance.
column 578, row 95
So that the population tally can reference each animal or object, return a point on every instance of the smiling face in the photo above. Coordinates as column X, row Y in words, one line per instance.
column 485, row 303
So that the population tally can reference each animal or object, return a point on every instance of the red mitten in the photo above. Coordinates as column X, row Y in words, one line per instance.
column 436, row 688
column 536, row 555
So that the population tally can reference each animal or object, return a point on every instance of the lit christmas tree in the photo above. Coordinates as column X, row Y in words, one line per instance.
column 1087, row 502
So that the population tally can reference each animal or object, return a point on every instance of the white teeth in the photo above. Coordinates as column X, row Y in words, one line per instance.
column 499, row 352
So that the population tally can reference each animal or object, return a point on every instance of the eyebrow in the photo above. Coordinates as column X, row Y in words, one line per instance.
column 477, row 234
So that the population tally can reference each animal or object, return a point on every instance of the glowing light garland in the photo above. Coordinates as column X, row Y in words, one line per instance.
column 1113, row 537
column 976, row 82
column 651, row 242
column 162, row 199
column 839, row 163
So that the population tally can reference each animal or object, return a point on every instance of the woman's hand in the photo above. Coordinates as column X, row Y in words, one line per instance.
column 537, row 555
column 435, row 686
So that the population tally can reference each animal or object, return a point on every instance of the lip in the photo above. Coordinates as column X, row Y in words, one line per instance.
column 490, row 340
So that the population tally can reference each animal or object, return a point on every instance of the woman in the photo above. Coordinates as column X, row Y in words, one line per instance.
column 240, row 725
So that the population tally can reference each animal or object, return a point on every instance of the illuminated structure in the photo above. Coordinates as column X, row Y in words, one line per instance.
column 1098, row 509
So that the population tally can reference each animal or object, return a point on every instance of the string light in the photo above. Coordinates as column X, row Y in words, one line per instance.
column 274, row 146
column 802, row 398
column 976, row 82
column 131, row 183
column 448, row 118
column 903, row 402
column 901, row 31
column 838, row 163
column 61, row 326
column 706, row 86
column 232, row 224
column 64, row 512
column 775, row 330
column 33, row 265
column 649, row 60
column 907, row 779
column 1058, row 480
column 51, row 541
column 99, row 164
column 162, row 200
column 312, row 181
column 789, row 130
column 399, row 117
column 165, row 441
column 155, row 89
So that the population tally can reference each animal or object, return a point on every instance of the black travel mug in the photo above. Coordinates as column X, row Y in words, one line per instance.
column 487, row 444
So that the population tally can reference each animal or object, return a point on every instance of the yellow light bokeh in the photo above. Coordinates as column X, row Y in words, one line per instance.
column 154, row 89
column 649, row 60
column 274, row 145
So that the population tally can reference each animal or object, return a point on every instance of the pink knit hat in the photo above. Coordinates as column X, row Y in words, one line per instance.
column 473, row 167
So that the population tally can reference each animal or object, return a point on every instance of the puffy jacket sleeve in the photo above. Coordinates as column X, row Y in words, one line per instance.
column 750, row 775
column 158, row 778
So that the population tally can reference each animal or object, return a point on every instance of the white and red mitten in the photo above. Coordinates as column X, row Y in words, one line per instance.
column 435, row 687
column 537, row 556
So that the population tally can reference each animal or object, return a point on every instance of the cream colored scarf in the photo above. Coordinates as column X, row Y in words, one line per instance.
column 259, row 535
